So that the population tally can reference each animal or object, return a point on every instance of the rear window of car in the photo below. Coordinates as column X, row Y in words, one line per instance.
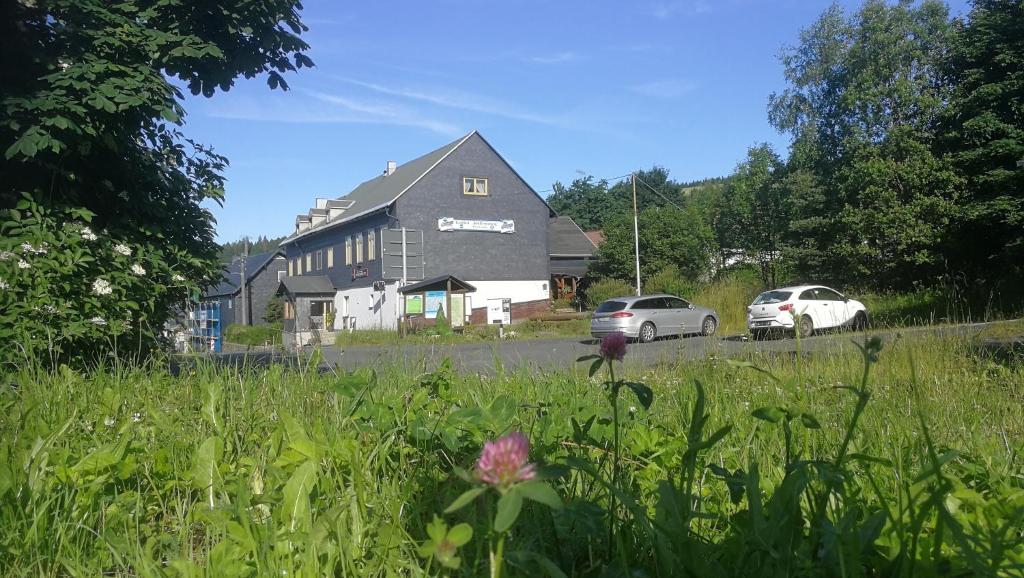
column 772, row 297
column 610, row 307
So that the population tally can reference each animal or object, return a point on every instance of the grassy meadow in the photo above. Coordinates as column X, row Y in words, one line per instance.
column 259, row 472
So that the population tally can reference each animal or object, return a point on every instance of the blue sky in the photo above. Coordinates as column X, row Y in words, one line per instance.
column 560, row 88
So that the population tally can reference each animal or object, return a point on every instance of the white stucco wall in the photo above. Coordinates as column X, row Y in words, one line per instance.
column 366, row 309
column 517, row 291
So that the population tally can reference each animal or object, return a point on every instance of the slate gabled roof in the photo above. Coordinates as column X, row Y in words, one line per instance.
column 566, row 239
column 381, row 191
column 306, row 285
column 232, row 280
column 438, row 284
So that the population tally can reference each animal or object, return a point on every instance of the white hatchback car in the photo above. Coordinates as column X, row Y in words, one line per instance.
column 804, row 308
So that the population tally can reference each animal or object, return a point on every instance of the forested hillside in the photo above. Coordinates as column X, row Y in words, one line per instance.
column 261, row 245
column 905, row 165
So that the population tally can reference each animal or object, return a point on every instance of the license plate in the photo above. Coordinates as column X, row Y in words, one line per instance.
column 602, row 319
column 762, row 323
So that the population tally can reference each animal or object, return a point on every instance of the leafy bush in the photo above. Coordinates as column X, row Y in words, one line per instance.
column 669, row 280
column 253, row 335
column 604, row 289
column 90, row 121
column 275, row 310
column 68, row 292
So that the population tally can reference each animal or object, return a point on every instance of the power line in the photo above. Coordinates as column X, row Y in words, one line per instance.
column 609, row 180
column 656, row 192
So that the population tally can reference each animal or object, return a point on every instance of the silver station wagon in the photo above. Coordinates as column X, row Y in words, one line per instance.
column 649, row 316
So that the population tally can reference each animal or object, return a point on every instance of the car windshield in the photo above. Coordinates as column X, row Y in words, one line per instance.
column 610, row 307
column 772, row 297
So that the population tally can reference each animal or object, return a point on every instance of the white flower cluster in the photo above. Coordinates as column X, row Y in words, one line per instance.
column 23, row 264
column 98, row 321
column 28, row 248
column 177, row 278
column 101, row 287
column 138, row 270
column 3, row 285
column 122, row 249
column 6, row 255
column 88, row 235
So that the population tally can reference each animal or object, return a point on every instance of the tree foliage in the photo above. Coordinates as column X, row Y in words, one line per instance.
column 983, row 133
column 865, row 95
column 669, row 236
column 90, row 120
column 262, row 244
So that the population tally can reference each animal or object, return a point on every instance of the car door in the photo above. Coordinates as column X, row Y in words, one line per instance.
column 836, row 305
column 648, row 310
column 686, row 318
column 810, row 304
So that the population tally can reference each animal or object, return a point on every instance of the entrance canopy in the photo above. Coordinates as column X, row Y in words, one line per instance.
column 448, row 283
column 306, row 285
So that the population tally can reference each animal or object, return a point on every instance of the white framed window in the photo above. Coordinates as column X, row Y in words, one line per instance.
column 474, row 186
column 330, row 257
column 309, row 262
column 320, row 259
column 348, row 251
column 371, row 245
column 291, row 267
column 280, row 276
column 359, row 248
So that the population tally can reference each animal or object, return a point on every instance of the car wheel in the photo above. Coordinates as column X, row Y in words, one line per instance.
column 707, row 328
column 805, row 326
column 647, row 332
column 860, row 321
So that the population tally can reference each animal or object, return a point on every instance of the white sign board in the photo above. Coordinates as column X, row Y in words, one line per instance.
column 450, row 224
column 499, row 311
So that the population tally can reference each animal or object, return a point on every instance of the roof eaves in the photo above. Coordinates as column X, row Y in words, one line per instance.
column 329, row 224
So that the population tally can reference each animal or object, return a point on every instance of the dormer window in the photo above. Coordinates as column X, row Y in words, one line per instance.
column 474, row 186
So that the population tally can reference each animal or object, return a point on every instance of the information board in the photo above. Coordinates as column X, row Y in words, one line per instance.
column 413, row 304
column 499, row 311
column 434, row 302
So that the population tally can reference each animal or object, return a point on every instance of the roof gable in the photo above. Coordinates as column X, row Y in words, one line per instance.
column 566, row 239
column 232, row 280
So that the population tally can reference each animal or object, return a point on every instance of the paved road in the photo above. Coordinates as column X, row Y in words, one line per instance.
column 561, row 353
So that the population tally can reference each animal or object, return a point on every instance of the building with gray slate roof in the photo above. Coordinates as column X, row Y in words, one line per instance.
column 465, row 213
column 263, row 273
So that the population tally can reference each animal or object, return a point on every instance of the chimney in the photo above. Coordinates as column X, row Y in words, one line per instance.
column 321, row 203
column 392, row 165
column 302, row 223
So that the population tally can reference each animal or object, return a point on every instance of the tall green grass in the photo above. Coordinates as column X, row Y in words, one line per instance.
column 257, row 472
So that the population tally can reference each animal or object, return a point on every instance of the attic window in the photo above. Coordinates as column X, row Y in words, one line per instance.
column 474, row 186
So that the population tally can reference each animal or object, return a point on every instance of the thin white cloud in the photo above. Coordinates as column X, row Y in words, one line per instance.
column 557, row 58
column 667, row 10
column 458, row 100
column 667, row 88
column 324, row 108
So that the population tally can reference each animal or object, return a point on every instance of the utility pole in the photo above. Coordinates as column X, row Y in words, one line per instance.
column 636, row 235
column 245, row 257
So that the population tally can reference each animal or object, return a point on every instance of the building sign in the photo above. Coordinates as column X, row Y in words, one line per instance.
column 499, row 311
column 434, row 302
column 413, row 304
column 358, row 272
column 450, row 224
